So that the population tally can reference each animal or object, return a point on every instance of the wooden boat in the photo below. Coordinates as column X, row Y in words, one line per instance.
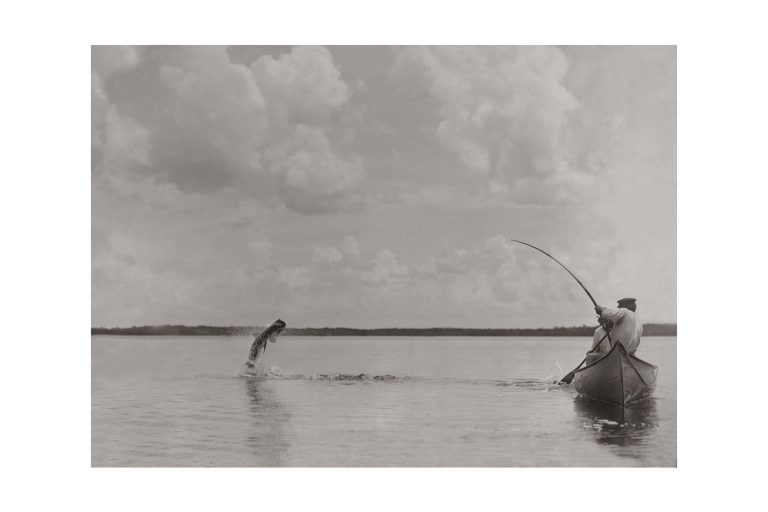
column 617, row 378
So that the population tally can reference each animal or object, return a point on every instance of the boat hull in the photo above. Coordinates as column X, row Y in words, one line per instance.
column 617, row 378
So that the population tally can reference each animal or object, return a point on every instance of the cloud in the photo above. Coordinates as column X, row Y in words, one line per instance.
column 190, row 117
column 303, row 84
column 295, row 278
column 504, row 113
column 108, row 60
column 315, row 179
column 350, row 248
column 346, row 262
column 386, row 268
column 348, row 251
column 326, row 256
column 127, row 282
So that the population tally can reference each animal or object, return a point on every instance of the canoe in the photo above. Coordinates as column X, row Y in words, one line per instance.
column 617, row 378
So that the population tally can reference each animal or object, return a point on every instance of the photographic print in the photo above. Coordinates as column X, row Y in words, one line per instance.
column 383, row 256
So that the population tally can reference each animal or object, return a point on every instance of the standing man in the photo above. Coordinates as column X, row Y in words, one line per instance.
column 625, row 327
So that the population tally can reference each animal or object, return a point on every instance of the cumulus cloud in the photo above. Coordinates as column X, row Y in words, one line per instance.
column 503, row 112
column 386, row 268
column 295, row 278
column 191, row 117
column 347, row 251
column 107, row 60
column 350, row 248
column 346, row 260
column 314, row 178
column 326, row 256
column 303, row 84
column 128, row 280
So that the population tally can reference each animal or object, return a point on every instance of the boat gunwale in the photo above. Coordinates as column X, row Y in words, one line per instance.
column 617, row 344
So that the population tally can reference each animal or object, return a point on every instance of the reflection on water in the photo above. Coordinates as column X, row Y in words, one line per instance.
column 428, row 402
column 267, row 439
column 624, row 430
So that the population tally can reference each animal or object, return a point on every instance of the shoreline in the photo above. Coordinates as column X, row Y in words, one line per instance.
column 204, row 330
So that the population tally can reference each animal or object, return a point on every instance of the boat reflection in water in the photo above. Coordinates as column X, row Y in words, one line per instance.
column 624, row 429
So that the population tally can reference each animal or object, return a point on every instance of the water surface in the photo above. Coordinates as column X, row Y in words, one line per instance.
column 367, row 401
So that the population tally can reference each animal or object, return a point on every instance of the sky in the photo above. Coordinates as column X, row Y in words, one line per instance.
column 372, row 186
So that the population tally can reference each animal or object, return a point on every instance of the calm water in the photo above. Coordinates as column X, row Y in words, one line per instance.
column 376, row 401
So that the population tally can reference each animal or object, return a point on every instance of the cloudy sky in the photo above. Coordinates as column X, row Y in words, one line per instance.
column 376, row 186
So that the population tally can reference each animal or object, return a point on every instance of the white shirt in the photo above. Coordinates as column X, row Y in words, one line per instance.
column 627, row 328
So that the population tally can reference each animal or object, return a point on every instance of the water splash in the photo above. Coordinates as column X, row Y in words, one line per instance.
column 356, row 377
column 260, row 370
column 545, row 384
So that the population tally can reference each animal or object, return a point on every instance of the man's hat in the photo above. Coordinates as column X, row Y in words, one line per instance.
column 626, row 302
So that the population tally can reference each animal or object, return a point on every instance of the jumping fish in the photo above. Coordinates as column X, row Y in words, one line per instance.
column 259, row 345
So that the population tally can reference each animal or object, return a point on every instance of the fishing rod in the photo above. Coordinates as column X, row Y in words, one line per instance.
column 568, row 378
column 566, row 268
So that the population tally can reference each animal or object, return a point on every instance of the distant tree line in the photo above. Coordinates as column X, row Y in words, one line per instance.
column 208, row 330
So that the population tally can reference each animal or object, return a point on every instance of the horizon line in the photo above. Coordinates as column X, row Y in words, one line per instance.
column 365, row 328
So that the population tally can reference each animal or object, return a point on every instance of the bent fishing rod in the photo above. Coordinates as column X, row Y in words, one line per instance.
column 558, row 262
column 568, row 378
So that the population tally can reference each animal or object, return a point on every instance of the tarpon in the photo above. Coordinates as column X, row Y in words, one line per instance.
column 259, row 345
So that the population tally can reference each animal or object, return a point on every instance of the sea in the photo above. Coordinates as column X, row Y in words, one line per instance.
column 188, row 401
